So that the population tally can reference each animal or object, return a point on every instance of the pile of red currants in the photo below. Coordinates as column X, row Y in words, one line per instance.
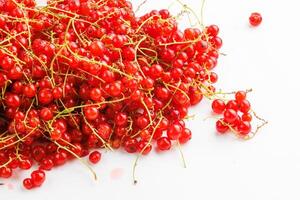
column 79, row 75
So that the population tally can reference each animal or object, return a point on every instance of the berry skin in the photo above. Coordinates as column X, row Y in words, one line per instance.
column 244, row 128
column 5, row 172
column 230, row 115
column 29, row 90
column 232, row 104
column 185, row 136
column 95, row 94
column 38, row 177
column 97, row 48
column 218, row 106
column 142, row 145
column 46, row 164
column 95, row 157
column 212, row 30
column 174, row 131
column 45, row 96
column 91, row 113
column 130, row 145
column 12, row 100
column 46, row 114
column 240, row 96
column 221, row 127
column 28, row 183
column 164, row 143
column 255, row 19
column 244, row 106
column 247, row 117
column 55, row 134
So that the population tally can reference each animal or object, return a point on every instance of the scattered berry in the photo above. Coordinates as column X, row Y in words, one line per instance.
column 255, row 19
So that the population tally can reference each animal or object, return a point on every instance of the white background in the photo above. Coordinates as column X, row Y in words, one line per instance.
column 218, row 167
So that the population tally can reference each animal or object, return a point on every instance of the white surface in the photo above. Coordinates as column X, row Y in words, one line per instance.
column 219, row 167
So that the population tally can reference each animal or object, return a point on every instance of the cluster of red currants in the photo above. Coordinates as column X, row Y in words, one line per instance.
column 236, row 114
column 78, row 75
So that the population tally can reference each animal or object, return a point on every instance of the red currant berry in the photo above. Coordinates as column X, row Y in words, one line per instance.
column 185, row 136
column 230, row 115
column 244, row 127
column 38, row 177
column 174, row 131
column 95, row 157
column 255, row 19
column 247, row 117
column 46, row 114
column 244, row 106
column 240, row 96
column 164, row 144
column 221, row 127
column 130, row 145
column 28, row 184
column 218, row 106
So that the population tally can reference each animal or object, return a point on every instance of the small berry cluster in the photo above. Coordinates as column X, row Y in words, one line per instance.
column 237, row 115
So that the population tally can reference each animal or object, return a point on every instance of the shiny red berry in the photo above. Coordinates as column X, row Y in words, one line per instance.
column 255, row 19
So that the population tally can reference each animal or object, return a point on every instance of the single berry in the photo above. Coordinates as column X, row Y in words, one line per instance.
column 95, row 157
column 255, row 19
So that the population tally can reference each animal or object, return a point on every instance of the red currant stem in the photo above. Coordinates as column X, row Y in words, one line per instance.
column 161, row 110
column 94, row 76
column 101, row 1
column 27, row 112
column 141, row 153
column 226, row 93
column 17, row 152
column 7, row 39
column 68, row 143
column 26, row 19
column 73, row 75
column 71, row 109
column 208, row 93
column 154, row 58
column 76, row 156
column 187, row 8
column 181, row 154
column 106, row 145
column 2, row 134
column 177, row 89
column 99, row 63
column 188, row 117
column 202, row 13
column 76, row 33
column 233, row 130
column 144, row 22
column 17, row 141
column 19, row 62
column 108, row 15
column 41, row 62
column 263, row 123
column 129, row 128
column 140, row 6
column 178, row 43
column 4, row 89
column 148, row 112
column 135, row 59
column 52, row 63
column 210, row 117
column 5, row 164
